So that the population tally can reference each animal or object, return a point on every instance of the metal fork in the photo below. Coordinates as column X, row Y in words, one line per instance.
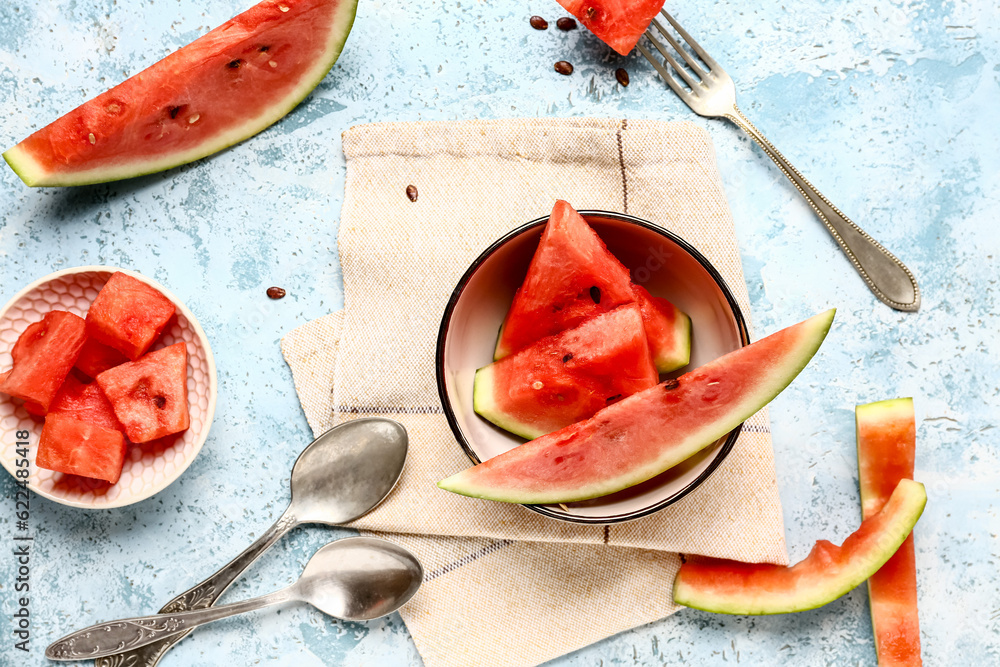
column 713, row 94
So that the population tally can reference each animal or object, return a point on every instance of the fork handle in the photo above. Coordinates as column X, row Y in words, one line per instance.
column 887, row 277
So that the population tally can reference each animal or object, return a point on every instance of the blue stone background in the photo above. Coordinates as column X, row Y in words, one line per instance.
column 887, row 105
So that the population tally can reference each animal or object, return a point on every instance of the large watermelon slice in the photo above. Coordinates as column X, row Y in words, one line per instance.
column 886, row 450
column 618, row 23
column 567, row 377
column 218, row 90
column 731, row 587
column 573, row 277
column 647, row 433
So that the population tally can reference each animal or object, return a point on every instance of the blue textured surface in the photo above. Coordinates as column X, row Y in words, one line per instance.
column 887, row 105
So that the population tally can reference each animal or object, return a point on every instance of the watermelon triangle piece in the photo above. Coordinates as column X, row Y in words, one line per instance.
column 567, row 377
column 667, row 329
column 86, row 403
column 731, row 587
column 886, row 451
column 649, row 432
column 43, row 356
column 618, row 23
column 217, row 91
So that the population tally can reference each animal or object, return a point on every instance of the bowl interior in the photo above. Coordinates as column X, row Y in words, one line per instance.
column 149, row 467
column 660, row 262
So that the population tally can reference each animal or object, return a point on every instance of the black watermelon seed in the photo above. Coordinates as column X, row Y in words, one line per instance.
column 622, row 75
column 160, row 402
column 595, row 294
column 613, row 398
column 566, row 23
column 275, row 292
column 538, row 23
column 174, row 111
column 265, row 49
column 411, row 192
column 671, row 384
column 235, row 64
column 564, row 68
column 567, row 358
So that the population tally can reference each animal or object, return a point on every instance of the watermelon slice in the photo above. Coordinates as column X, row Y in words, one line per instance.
column 128, row 315
column 85, row 403
column 564, row 378
column 149, row 396
column 80, row 448
column 886, row 450
column 731, row 587
column 96, row 357
column 43, row 356
column 647, row 433
column 573, row 277
column 218, row 90
column 667, row 328
column 618, row 23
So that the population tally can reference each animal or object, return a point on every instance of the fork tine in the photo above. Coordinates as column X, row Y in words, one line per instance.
column 691, row 62
column 681, row 92
column 673, row 62
column 702, row 53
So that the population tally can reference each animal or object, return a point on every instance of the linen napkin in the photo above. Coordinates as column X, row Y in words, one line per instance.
column 506, row 586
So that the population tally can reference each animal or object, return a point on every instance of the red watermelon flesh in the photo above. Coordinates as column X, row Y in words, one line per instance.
column 96, row 357
column 732, row 587
column 886, row 451
column 618, row 23
column 215, row 92
column 149, row 395
column 128, row 315
column 567, row 377
column 43, row 356
column 572, row 277
column 81, row 448
column 649, row 432
column 85, row 403
column 667, row 328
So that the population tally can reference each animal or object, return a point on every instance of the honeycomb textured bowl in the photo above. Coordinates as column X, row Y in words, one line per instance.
column 149, row 467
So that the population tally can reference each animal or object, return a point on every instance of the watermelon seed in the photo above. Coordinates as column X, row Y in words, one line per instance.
column 566, row 23
column 537, row 384
column 590, row 12
column 175, row 110
column 235, row 64
column 671, row 384
column 275, row 292
column 621, row 74
column 411, row 192
column 538, row 23
column 283, row 8
column 563, row 68
column 272, row 63
column 194, row 119
column 93, row 139
column 613, row 398
column 265, row 49
column 595, row 294
column 567, row 358
column 159, row 402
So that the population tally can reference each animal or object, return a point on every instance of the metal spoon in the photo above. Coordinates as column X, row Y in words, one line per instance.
column 354, row 579
column 341, row 476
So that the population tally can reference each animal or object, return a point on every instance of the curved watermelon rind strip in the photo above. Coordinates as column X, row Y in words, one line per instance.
column 34, row 174
column 485, row 405
column 812, row 333
column 695, row 586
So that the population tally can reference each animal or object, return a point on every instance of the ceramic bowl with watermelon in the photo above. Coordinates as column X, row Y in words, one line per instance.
column 90, row 409
column 664, row 265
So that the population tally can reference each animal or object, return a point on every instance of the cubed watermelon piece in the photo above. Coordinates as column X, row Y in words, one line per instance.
column 128, row 315
column 43, row 356
column 149, row 395
column 96, row 357
column 80, row 448
column 86, row 403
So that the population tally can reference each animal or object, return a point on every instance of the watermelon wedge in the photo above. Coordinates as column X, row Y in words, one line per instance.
column 649, row 432
column 573, row 277
column 618, row 23
column 567, row 377
column 828, row 572
column 886, row 451
column 85, row 403
column 43, row 356
column 218, row 90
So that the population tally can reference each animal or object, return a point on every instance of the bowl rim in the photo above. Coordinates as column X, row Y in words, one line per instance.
column 452, row 418
column 199, row 334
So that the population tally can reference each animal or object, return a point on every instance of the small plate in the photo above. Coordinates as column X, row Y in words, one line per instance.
column 661, row 262
column 149, row 467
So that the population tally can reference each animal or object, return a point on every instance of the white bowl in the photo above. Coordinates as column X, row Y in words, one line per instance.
column 658, row 260
column 149, row 467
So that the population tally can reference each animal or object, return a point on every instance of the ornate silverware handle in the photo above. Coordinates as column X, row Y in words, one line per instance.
column 887, row 277
column 200, row 596
column 105, row 639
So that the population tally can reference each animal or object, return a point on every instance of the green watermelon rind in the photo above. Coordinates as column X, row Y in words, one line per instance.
column 908, row 509
column 486, row 406
column 814, row 332
column 34, row 175
column 682, row 352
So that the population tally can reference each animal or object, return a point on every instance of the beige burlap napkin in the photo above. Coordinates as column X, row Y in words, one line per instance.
column 506, row 586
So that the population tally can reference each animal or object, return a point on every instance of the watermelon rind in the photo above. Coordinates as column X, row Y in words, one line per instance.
column 681, row 354
column 485, row 405
column 34, row 174
column 490, row 480
column 824, row 583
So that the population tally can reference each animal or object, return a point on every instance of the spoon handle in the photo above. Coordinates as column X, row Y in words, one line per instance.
column 104, row 639
column 202, row 595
